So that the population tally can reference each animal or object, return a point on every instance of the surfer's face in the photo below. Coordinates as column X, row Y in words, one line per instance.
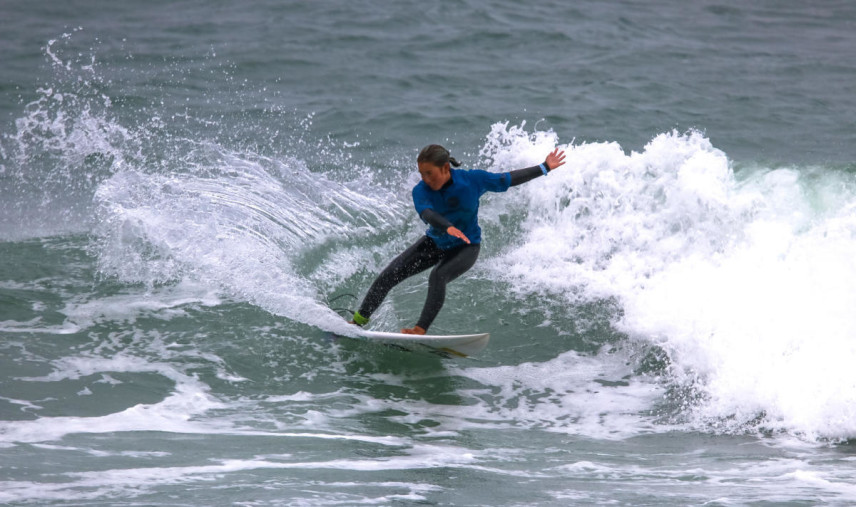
column 434, row 176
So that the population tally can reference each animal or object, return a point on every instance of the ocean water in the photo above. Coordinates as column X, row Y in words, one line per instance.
column 189, row 191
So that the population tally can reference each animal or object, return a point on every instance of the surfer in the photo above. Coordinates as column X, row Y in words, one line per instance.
column 448, row 201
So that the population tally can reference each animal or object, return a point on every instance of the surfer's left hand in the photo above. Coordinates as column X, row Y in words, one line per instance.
column 454, row 231
column 555, row 159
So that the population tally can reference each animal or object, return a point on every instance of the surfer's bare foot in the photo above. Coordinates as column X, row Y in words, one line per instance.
column 413, row 330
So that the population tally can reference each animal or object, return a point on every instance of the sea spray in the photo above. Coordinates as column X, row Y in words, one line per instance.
column 747, row 284
column 237, row 221
column 164, row 204
column 67, row 141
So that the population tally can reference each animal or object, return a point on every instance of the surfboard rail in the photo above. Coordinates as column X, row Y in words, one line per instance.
column 460, row 345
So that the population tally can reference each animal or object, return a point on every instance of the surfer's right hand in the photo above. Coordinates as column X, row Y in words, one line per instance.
column 454, row 231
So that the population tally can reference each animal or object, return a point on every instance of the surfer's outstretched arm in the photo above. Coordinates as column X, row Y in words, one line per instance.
column 554, row 160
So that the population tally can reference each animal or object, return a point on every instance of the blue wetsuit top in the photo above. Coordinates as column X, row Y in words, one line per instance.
column 458, row 202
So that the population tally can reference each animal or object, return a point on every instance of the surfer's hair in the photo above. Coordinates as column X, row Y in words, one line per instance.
column 436, row 155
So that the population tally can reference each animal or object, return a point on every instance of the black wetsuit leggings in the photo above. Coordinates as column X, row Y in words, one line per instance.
column 417, row 258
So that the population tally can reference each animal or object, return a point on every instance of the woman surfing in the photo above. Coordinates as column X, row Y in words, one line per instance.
column 447, row 200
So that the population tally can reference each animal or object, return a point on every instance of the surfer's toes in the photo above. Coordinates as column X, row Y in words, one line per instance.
column 413, row 330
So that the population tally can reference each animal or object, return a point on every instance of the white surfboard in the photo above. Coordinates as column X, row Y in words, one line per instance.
column 459, row 345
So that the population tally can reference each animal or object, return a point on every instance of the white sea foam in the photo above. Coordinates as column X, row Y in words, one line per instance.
column 185, row 410
column 134, row 481
column 174, row 414
column 747, row 284
column 595, row 397
column 33, row 326
column 591, row 396
column 166, row 302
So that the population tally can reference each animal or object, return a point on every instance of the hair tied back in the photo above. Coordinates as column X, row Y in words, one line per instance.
column 436, row 155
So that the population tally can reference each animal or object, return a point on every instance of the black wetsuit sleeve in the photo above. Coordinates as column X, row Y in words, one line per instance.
column 523, row 175
column 436, row 220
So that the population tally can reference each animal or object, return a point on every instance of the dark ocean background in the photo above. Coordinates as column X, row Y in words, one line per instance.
column 186, row 188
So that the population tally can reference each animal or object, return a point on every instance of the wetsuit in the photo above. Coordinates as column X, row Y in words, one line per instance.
column 456, row 204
